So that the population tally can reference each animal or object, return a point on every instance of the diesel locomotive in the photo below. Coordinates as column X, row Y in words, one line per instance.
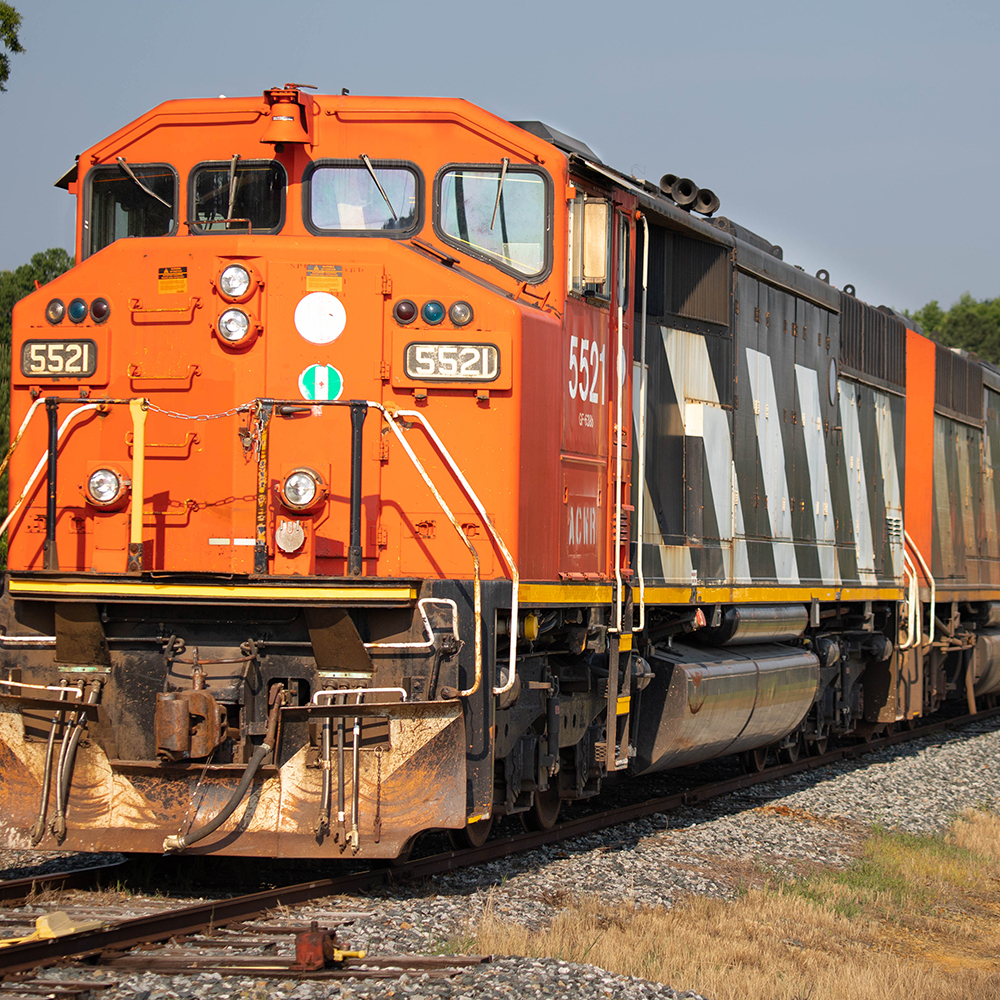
column 383, row 466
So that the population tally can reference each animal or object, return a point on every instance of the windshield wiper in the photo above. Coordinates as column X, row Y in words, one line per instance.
column 232, row 185
column 504, row 164
column 152, row 194
column 371, row 170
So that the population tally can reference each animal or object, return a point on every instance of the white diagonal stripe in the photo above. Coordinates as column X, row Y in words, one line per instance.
column 857, row 486
column 772, row 460
column 807, row 381
column 703, row 416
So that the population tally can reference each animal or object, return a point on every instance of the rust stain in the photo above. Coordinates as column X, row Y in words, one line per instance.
column 696, row 697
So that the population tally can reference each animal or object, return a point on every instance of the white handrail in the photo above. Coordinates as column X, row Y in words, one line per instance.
column 641, row 444
column 620, row 391
column 41, row 462
column 476, row 583
column 429, row 632
column 20, row 433
column 930, row 582
column 910, row 571
column 360, row 692
column 46, row 687
column 491, row 527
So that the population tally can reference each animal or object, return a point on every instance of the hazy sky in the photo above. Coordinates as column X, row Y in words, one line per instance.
column 860, row 136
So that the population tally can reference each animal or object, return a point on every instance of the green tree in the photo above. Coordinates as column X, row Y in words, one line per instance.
column 14, row 285
column 10, row 21
column 969, row 324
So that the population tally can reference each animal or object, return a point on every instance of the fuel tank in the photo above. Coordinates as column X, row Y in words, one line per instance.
column 707, row 701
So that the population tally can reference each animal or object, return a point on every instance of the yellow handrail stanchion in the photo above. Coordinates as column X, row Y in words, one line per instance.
column 137, row 408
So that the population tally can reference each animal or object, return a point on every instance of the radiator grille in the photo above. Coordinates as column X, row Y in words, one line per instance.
column 958, row 384
column 872, row 342
column 687, row 277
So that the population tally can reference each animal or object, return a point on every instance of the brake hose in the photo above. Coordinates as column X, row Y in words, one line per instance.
column 177, row 842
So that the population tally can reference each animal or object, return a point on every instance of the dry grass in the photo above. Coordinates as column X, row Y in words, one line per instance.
column 914, row 916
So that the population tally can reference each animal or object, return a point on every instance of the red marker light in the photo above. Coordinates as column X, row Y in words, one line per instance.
column 405, row 311
column 99, row 310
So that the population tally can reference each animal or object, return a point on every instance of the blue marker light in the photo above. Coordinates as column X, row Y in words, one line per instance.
column 432, row 312
column 78, row 310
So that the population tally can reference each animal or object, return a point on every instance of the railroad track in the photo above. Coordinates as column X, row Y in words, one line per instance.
column 195, row 926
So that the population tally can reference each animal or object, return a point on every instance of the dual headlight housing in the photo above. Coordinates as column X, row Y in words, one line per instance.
column 234, row 326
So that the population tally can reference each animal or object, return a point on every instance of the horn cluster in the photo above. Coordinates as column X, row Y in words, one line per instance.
column 687, row 195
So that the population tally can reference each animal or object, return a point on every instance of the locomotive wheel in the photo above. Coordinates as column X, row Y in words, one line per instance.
column 868, row 732
column 789, row 755
column 474, row 835
column 754, row 761
column 816, row 748
column 544, row 811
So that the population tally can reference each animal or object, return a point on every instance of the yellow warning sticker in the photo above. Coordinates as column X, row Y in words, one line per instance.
column 173, row 279
column 324, row 278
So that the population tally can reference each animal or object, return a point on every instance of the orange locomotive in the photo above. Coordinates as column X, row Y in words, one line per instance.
column 369, row 444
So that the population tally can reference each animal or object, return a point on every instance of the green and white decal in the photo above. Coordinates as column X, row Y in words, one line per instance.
column 321, row 382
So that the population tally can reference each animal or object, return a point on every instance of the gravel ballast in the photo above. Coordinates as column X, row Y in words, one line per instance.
column 784, row 827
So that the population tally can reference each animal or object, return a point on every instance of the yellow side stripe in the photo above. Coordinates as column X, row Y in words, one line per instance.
column 570, row 593
column 76, row 588
column 599, row 593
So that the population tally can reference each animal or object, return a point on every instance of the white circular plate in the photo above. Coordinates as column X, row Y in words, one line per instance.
column 320, row 317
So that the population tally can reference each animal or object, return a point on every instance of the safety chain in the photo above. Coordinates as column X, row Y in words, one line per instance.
column 232, row 412
column 202, row 504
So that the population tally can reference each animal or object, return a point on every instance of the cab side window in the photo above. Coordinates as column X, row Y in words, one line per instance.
column 589, row 247
column 129, row 200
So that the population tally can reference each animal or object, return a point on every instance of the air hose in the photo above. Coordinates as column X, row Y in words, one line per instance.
column 177, row 842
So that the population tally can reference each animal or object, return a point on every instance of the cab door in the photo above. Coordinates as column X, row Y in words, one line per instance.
column 620, row 508
column 597, row 388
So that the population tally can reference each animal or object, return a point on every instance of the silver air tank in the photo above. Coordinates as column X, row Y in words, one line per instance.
column 985, row 663
column 704, row 702
column 745, row 623
column 990, row 615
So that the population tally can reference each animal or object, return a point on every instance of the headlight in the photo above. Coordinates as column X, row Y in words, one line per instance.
column 234, row 281
column 301, row 488
column 234, row 325
column 55, row 311
column 104, row 486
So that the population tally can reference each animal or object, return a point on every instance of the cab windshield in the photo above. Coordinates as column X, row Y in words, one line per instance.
column 238, row 195
column 346, row 198
column 504, row 223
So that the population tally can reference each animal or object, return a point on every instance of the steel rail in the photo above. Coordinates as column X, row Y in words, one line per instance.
column 20, row 890
column 206, row 916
